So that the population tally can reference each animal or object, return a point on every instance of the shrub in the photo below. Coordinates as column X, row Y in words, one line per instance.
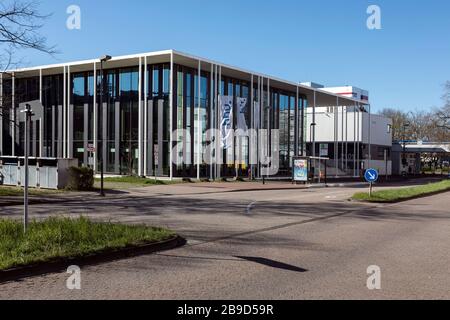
column 80, row 179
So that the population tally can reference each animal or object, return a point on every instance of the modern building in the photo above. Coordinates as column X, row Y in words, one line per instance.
column 351, row 137
column 157, row 107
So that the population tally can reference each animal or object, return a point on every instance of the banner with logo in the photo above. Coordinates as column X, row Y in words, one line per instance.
column 226, row 121
column 241, row 108
column 256, row 115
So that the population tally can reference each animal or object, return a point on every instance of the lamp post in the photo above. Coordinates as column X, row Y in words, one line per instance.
column 102, row 85
column 406, row 125
column 28, row 113
column 313, row 151
column 311, row 126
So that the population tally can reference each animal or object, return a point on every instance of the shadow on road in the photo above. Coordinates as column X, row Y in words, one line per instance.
column 273, row 263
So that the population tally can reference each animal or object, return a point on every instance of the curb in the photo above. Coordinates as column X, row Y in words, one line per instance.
column 402, row 200
column 60, row 264
column 304, row 187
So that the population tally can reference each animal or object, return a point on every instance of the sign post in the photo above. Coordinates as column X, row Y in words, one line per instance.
column 156, row 158
column 371, row 176
column 90, row 149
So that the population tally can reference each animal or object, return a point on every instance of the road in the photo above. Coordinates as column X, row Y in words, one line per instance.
column 270, row 244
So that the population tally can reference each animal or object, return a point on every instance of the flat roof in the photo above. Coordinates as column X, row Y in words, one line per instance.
column 322, row 97
column 428, row 148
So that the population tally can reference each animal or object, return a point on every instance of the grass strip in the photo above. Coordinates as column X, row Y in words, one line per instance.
column 401, row 194
column 56, row 238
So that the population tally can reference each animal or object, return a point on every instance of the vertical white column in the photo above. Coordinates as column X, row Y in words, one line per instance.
column 69, row 117
column 216, row 123
column 359, row 139
column 314, row 127
column 219, row 151
column 260, row 123
column 140, row 142
column 41, row 123
column 250, row 145
column 64, row 111
column 171, row 116
column 199, row 120
column 13, row 114
column 342, row 138
column 336, row 141
column 145, row 116
column 297, row 123
column 85, row 134
column 346, row 138
column 269, row 133
column 211, row 120
column 95, row 114
column 354, row 141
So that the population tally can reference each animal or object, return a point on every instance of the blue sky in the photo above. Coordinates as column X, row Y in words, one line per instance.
column 404, row 65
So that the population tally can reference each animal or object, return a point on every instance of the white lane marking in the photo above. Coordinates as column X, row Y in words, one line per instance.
column 249, row 207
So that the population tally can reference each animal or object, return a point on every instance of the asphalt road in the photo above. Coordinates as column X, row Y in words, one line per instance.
column 271, row 244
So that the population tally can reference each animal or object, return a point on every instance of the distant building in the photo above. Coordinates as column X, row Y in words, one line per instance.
column 410, row 157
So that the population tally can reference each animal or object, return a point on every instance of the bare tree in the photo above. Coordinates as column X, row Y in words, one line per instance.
column 20, row 23
column 399, row 120
column 443, row 114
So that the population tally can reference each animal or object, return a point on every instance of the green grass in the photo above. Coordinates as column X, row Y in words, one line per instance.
column 57, row 238
column 15, row 191
column 400, row 194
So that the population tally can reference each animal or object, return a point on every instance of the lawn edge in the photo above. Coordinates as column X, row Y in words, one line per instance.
column 402, row 199
column 60, row 264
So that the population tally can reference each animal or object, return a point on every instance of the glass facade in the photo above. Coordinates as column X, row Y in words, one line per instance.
column 194, row 113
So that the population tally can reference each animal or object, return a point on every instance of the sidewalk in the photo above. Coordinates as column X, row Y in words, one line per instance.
column 41, row 199
column 199, row 188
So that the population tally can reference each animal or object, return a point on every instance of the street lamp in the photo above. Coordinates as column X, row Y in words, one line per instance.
column 313, row 147
column 405, row 125
column 311, row 126
column 102, row 59
column 28, row 114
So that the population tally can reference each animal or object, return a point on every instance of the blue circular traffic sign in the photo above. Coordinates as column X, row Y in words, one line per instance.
column 371, row 175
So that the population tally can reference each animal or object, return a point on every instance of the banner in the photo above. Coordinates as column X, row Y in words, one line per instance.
column 256, row 115
column 226, row 121
column 241, row 107
column 300, row 170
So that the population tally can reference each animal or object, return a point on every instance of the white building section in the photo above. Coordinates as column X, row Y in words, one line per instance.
column 350, row 92
column 353, row 139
